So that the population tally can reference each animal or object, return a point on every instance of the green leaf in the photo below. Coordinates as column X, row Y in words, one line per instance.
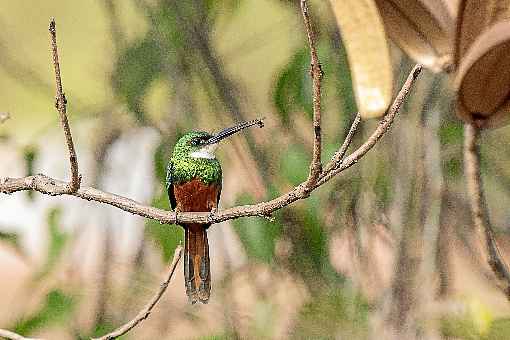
column 338, row 71
column 30, row 154
column 57, row 308
column 57, row 242
column 161, row 157
column 167, row 237
column 57, row 238
column 292, row 91
column 257, row 235
column 10, row 238
column 309, row 242
column 451, row 133
column 294, row 164
column 138, row 65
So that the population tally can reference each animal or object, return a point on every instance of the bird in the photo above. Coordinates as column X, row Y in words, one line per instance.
column 193, row 182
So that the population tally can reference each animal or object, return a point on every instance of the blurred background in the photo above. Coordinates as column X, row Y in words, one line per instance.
column 388, row 246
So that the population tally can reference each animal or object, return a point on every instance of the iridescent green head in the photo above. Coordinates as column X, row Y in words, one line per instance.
column 194, row 144
column 193, row 154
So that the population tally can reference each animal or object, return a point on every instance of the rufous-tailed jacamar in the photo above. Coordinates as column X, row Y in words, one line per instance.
column 193, row 182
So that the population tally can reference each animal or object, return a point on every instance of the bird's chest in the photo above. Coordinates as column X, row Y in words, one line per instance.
column 196, row 196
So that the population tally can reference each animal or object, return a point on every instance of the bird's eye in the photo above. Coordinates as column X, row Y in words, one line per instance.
column 195, row 142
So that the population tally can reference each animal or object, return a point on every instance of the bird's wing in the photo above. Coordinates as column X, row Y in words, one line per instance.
column 221, row 186
column 170, row 185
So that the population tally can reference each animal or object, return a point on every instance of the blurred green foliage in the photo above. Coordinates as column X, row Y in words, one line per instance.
column 292, row 89
column 468, row 328
column 137, row 67
column 57, row 241
column 30, row 154
column 56, row 309
column 333, row 314
column 178, row 47
column 10, row 238
column 258, row 235
column 167, row 237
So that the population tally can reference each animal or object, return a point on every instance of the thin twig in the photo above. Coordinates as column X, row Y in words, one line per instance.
column 61, row 104
column 13, row 336
column 53, row 187
column 337, row 158
column 145, row 312
column 316, row 73
column 479, row 207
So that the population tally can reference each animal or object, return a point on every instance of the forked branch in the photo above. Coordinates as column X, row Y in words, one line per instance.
column 53, row 187
column 316, row 178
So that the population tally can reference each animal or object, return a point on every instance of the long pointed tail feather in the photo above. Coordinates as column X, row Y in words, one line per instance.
column 197, row 271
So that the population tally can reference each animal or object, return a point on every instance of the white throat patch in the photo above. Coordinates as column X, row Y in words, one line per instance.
column 205, row 152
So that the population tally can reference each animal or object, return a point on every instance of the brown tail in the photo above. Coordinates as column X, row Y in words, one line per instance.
column 197, row 271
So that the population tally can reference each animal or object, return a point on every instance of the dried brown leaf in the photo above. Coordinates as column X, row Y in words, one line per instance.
column 474, row 17
column 368, row 53
column 483, row 79
column 422, row 28
column 453, row 7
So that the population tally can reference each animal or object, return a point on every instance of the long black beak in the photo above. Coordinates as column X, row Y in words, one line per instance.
column 234, row 129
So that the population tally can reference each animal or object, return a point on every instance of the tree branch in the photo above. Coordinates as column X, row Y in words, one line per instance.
column 13, row 336
column 54, row 187
column 339, row 155
column 61, row 105
column 479, row 208
column 145, row 312
column 316, row 74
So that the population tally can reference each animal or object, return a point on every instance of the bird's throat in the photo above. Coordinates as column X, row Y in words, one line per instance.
column 206, row 152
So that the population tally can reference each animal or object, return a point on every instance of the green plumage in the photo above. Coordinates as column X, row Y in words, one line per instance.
column 183, row 168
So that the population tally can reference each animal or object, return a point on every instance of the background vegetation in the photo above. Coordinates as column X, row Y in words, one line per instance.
column 387, row 246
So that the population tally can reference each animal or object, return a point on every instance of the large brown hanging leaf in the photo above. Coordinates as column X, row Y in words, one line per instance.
column 453, row 7
column 368, row 53
column 422, row 28
column 474, row 17
column 483, row 79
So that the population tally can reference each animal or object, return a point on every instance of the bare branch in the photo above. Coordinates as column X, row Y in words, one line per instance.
column 145, row 312
column 53, row 187
column 316, row 73
column 13, row 336
column 479, row 207
column 337, row 158
column 61, row 104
